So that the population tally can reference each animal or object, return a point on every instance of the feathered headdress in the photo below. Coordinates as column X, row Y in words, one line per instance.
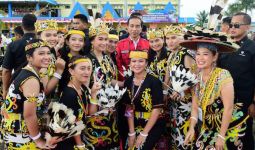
column 155, row 33
column 98, row 27
column 62, row 121
column 215, row 14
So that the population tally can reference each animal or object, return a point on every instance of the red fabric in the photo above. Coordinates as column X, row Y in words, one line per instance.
column 123, row 49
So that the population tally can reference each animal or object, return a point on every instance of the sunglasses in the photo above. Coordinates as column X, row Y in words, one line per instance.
column 236, row 25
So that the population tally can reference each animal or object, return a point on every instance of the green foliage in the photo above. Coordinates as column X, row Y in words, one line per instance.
column 240, row 5
column 202, row 18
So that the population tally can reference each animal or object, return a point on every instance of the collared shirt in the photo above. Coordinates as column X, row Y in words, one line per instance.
column 135, row 42
column 15, row 54
column 241, row 65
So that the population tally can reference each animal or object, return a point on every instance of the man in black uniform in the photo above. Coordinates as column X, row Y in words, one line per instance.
column 241, row 65
column 15, row 54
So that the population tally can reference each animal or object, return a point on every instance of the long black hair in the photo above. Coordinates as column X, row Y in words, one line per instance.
column 152, row 54
column 65, row 50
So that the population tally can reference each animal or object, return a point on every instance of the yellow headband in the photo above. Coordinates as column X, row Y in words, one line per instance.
column 79, row 61
column 46, row 25
column 138, row 54
column 102, row 28
column 113, row 36
column 155, row 34
column 75, row 32
column 36, row 45
column 173, row 30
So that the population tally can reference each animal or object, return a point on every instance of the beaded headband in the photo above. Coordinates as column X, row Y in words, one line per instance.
column 155, row 34
column 138, row 54
column 75, row 32
column 79, row 61
column 173, row 30
column 36, row 45
column 42, row 25
column 113, row 36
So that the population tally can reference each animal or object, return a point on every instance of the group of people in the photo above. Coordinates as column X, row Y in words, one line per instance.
column 184, row 89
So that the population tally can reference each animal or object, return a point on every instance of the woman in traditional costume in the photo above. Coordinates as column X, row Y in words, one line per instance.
column 101, row 132
column 145, row 102
column 47, row 30
column 74, row 43
column 77, row 96
column 112, row 43
column 158, row 54
column 157, row 67
column 102, row 63
column 24, row 104
column 179, row 103
column 213, row 99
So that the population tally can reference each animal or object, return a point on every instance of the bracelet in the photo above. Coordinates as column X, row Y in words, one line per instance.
column 144, row 135
column 36, row 137
column 57, row 75
column 165, row 92
column 220, row 136
column 194, row 118
column 131, row 134
column 80, row 146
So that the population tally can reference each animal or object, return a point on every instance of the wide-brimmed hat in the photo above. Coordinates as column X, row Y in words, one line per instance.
column 198, row 35
column 222, row 47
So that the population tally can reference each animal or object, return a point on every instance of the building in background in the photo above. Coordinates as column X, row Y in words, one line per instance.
column 122, row 7
column 154, row 11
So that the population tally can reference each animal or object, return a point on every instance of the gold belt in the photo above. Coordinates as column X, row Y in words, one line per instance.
column 12, row 116
column 143, row 115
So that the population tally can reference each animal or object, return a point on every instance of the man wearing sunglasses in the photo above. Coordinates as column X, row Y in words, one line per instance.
column 241, row 65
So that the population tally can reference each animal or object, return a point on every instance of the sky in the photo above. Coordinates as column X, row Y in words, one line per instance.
column 190, row 8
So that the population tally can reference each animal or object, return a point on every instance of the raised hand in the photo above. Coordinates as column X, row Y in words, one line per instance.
column 60, row 65
column 97, row 84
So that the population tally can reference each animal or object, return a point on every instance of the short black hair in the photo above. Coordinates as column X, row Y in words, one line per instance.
column 144, row 28
column 82, row 17
column 246, row 17
column 136, row 14
column 123, row 32
column 19, row 30
column 113, row 32
column 226, row 20
column 135, row 17
column 28, row 22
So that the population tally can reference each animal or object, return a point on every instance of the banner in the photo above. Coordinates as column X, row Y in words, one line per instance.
column 158, row 18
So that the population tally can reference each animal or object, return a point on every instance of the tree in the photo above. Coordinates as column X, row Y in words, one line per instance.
column 240, row 5
column 2, row 13
column 202, row 18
